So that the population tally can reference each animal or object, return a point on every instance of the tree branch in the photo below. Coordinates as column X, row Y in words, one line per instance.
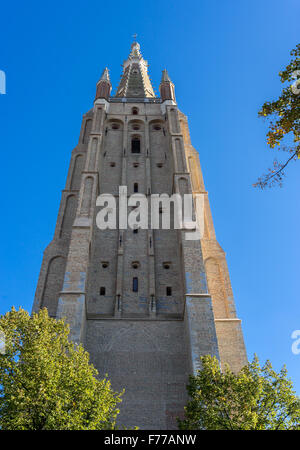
column 279, row 172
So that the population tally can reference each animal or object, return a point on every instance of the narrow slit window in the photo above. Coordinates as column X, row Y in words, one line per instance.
column 169, row 291
column 102, row 290
column 135, row 187
column 135, row 284
column 135, row 145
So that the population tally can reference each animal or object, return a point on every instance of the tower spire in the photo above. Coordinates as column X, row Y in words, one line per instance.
column 105, row 75
column 135, row 82
column 103, row 86
column 166, row 87
column 165, row 76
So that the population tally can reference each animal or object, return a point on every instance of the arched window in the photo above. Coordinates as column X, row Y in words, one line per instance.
column 135, row 284
column 169, row 291
column 102, row 290
column 135, row 145
column 135, row 187
column 135, row 111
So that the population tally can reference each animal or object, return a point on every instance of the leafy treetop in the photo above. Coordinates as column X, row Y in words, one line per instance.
column 284, row 122
column 256, row 398
column 46, row 381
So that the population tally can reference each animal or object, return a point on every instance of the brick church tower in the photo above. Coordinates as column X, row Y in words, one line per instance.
column 146, row 303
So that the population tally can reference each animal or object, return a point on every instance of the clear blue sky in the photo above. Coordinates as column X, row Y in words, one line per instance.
column 224, row 58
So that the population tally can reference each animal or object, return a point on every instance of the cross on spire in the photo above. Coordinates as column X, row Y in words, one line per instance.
column 134, row 36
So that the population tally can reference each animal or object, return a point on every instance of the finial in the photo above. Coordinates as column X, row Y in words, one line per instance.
column 135, row 50
column 134, row 37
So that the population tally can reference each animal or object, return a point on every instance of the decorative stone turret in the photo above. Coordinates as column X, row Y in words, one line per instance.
column 166, row 87
column 103, row 86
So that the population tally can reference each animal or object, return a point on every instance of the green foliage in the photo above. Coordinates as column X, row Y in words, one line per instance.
column 47, row 382
column 284, row 121
column 256, row 398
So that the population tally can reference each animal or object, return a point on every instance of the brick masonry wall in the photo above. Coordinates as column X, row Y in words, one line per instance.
column 149, row 360
column 228, row 327
column 149, row 350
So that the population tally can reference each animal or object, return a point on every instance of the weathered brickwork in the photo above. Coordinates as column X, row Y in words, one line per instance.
column 228, row 327
column 149, row 360
column 145, row 304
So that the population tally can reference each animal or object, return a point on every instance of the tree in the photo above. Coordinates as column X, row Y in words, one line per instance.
column 284, row 122
column 256, row 398
column 46, row 381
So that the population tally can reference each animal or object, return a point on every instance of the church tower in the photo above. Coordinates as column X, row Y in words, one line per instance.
column 145, row 302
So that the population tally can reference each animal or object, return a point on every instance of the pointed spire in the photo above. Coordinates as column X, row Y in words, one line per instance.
column 103, row 86
column 166, row 87
column 135, row 82
column 165, row 76
column 105, row 75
